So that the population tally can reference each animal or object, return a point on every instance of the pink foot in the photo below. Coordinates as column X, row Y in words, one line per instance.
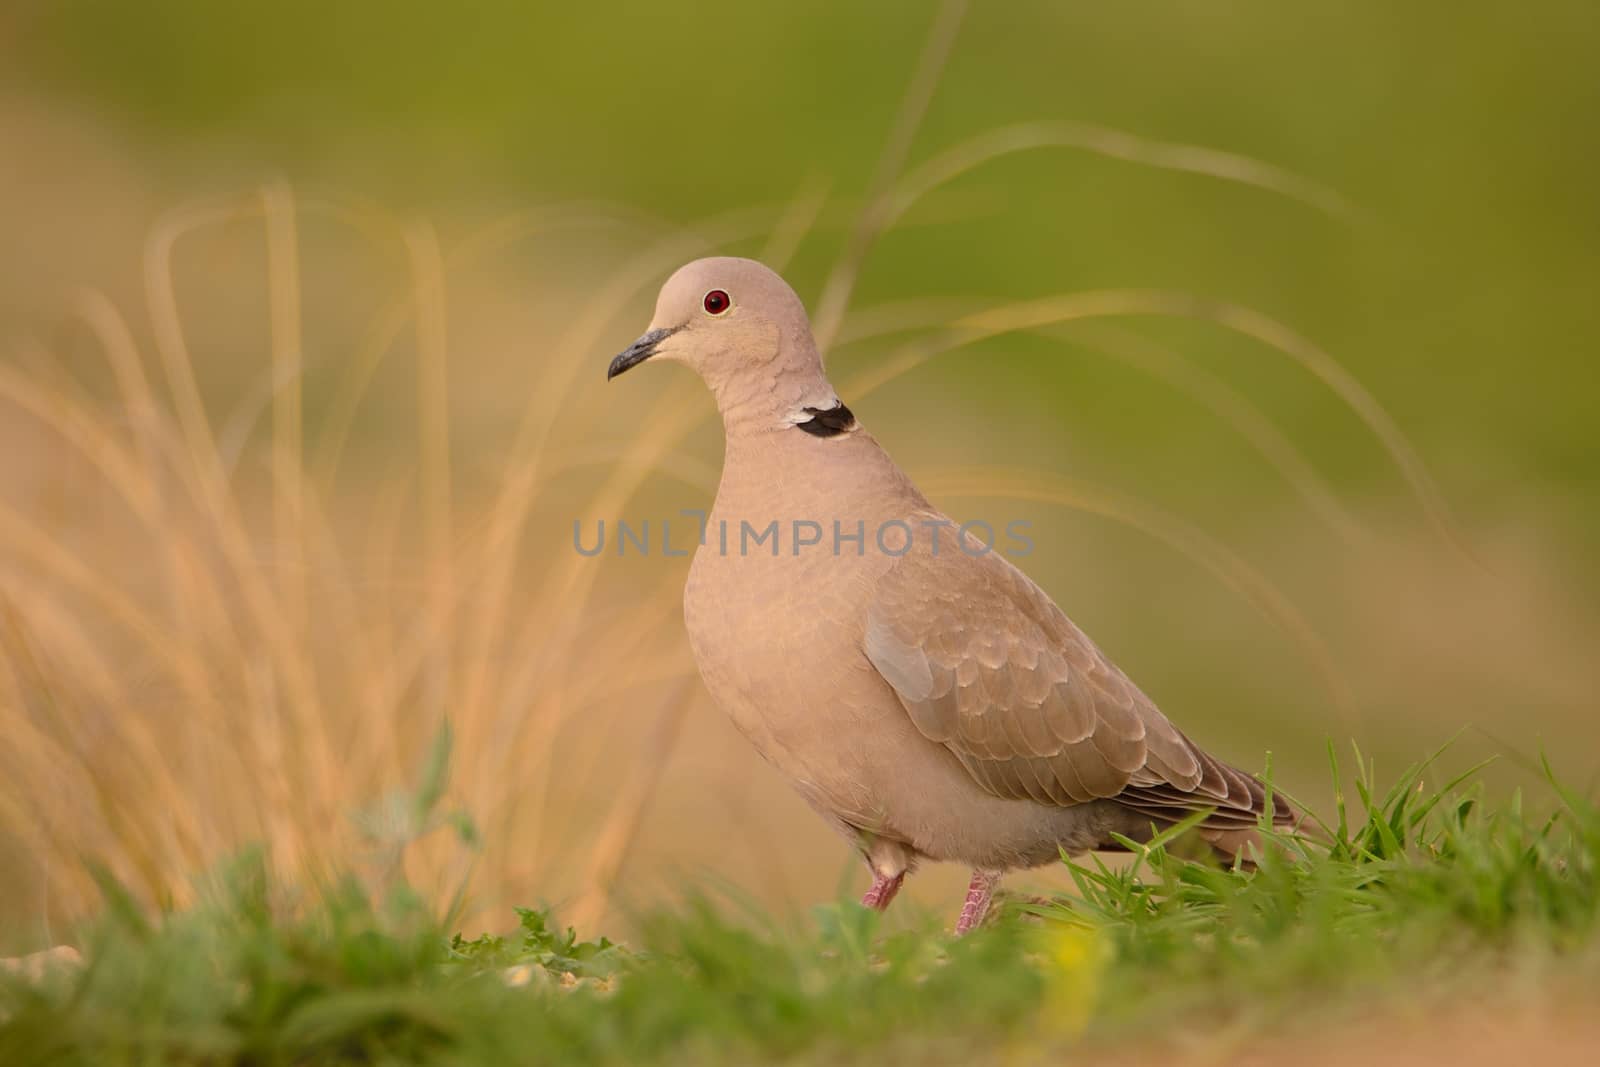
column 980, row 891
column 882, row 891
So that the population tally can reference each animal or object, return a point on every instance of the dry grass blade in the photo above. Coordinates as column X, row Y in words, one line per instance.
column 138, row 399
column 288, row 409
column 879, row 211
column 616, row 836
column 168, row 326
column 79, row 427
column 1114, row 144
column 433, row 428
column 795, row 223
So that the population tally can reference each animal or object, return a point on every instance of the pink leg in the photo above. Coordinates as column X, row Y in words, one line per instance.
column 979, row 893
column 882, row 891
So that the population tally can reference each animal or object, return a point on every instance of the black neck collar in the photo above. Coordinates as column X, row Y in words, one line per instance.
column 828, row 422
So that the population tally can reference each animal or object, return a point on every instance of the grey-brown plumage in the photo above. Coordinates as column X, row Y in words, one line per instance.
column 926, row 697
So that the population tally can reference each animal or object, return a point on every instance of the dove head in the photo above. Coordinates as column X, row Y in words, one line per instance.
column 744, row 331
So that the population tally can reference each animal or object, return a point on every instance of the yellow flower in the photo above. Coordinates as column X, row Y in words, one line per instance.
column 1073, row 960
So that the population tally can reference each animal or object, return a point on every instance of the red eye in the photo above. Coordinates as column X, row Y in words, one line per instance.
column 717, row 302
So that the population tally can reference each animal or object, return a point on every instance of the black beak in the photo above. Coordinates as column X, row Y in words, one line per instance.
column 639, row 351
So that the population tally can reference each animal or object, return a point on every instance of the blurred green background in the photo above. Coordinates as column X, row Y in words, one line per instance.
column 1467, row 135
column 1460, row 289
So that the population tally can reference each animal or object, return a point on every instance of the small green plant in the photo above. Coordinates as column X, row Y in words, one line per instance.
column 404, row 816
column 540, row 943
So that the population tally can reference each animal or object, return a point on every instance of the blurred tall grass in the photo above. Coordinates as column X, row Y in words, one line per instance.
column 1274, row 323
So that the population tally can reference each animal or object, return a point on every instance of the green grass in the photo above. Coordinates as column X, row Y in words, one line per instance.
column 1418, row 892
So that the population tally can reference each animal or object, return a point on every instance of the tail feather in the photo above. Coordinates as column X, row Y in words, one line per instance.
column 1234, row 806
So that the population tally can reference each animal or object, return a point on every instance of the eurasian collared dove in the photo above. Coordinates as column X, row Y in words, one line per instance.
column 926, row 697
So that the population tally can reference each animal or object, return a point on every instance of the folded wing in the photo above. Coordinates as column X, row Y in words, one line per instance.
column 987, row 665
